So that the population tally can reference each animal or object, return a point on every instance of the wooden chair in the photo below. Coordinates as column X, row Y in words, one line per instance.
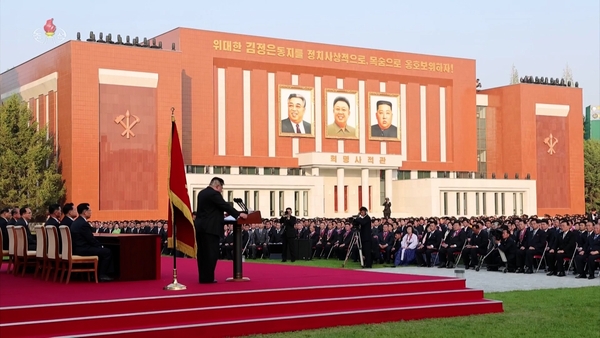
column 68, row 259
column 3, row 253
column 41, row 252
column 53, row 261
column 11, row 248
column 23, row 256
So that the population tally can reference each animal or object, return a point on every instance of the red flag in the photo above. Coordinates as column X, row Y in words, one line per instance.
column 179, row 201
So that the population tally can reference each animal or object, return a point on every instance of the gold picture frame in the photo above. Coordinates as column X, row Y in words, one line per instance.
column 374, row 130
column 337, row 97
column 296, row 95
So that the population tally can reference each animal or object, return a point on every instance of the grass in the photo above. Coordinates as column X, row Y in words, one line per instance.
column 539, row 313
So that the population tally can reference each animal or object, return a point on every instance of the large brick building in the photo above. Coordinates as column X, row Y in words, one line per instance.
column 450, row 151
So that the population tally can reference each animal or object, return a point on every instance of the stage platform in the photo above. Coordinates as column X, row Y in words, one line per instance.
column 278, row 298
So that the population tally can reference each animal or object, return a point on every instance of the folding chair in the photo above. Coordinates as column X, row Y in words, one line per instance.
column 541, row 258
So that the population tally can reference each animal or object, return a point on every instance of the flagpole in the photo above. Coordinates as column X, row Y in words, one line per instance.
column 175, row 286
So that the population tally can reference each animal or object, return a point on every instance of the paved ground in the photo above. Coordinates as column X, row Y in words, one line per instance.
column 489, row 281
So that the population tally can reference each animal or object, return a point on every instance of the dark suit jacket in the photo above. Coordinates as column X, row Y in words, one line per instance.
column 31, row 240
column 434, row 238
column 288, row 127
column 12, row 221
column 538, row 241
column 209, row 212
column 593, row 218
column 509, row 247
column 592, row 244
column 290, row 232
column 567, row 244
column 480, row 240
column 458, row 240
column 66, row 221
column 364, row 223
column 3, row 225
column 82, row 237
column 51, row 221
column 391, row 132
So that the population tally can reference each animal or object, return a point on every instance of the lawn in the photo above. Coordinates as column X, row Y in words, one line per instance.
column 538, row 313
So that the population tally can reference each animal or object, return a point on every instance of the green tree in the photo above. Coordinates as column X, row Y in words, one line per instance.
column 591, row 167
column 29, row 172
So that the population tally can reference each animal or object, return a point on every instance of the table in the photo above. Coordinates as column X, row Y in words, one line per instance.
column 135, row 256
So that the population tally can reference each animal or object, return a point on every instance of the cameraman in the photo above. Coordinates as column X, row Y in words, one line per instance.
column 363, row 223
column 288, row 239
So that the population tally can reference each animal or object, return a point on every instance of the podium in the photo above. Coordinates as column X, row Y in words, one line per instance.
column 253, row 218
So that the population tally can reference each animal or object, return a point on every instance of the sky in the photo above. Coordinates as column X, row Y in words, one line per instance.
column 538, row 37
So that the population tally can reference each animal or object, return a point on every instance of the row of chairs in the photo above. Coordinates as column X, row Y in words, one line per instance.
column 46, row 258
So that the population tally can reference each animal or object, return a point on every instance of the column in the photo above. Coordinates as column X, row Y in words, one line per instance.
column 388, row 184
column 364, row 182
column 340, row 190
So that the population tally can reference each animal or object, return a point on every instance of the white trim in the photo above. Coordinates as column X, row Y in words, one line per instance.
column 295, row 146
column 47, row 106
column 383, row 148
column 340, row 85
column 294, row 80
column 557, row 110
column 362, row 121
column 423, row 99
column 403, row 119
column 37, row 112
column 127, row 78
column 318, row 116
column 221, row 111
column 247, row 113
column 271, row 113
column 449, row 306
column 382, row 87
column 443, row 144
column 481, row 100
column 34, row 88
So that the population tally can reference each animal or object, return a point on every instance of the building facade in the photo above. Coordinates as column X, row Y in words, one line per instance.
column 319, row 128
column 592, row 123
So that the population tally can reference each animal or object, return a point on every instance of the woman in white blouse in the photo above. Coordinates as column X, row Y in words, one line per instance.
column 407, row 253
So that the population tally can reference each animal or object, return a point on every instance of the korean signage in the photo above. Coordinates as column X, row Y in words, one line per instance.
column 344, row 160
column 276, row 51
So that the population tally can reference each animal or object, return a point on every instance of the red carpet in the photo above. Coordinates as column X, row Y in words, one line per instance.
column 273, row 301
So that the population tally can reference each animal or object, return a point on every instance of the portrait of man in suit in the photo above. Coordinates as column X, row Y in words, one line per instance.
column 384, row 116
column 296, row 111
column 342, row 114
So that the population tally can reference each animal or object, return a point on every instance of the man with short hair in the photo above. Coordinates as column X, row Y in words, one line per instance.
column 69, row 213
column 341, row 113
column 4, row 215
column 209, row 227
column 384, row 115
column 295, row 123
column 85, row 244
column 26, row 215
column 14, row 216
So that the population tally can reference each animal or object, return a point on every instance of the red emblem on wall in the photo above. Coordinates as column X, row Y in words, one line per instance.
column 49, row 27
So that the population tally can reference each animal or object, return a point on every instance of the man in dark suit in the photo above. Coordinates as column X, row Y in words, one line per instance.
column 536, row 242
column 430, row 243
column 85, row 244
column 288, row 221
column 4, row 215
column 454, row 243
column 384, row 116
column 521, row 236
column 24, row 222
column 209, row 227
column 54, row 213
column 363, row 222
column 477, row 245
column 387, row 208
column 295, row 123
column 563, row 248
column 69, row 213
column 14, row 216
column 589, row 254
column 593, row 216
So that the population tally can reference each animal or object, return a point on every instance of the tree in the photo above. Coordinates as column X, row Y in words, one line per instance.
column 29, row 172
column 568, row 74
column 591, row 169
column 514, row 75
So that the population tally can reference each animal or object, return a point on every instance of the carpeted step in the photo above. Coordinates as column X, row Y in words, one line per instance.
column 255, row 310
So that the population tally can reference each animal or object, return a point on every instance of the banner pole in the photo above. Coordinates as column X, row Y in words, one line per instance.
column 175, row 286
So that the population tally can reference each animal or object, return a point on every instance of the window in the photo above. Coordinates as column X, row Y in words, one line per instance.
column 223, row 170
column 305, row 203
column 281, row 202
column 195, row 169
column 424, row 174
column 521, row 205
column 481, row 142
column 272, row 202
column 248, row 171
column 443, row 174
column 382, row 191
column 514, row 203
column 503, row 203
column 360, row 197
column 335, row 198
column 463, row 174
column 445, row 204
column 465, row 204
column 295, row 172
column 457, row 203
column 477, row 204
column 402, row 175
column 256, row 204
column 271, row 171
column 496, row 203
column 246, row 198
column 484, row 202
column 230, row 196
column 296, row 203
column 345, row 198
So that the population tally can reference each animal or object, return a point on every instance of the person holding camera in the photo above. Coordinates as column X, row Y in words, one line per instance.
column 288, row 239
column 387, row 208
column 363, row 224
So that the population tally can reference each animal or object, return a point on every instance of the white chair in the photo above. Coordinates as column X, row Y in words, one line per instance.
column 23, row 256
column 68, row 259
column 11, row 248
column 41, row 252
column 53, row 261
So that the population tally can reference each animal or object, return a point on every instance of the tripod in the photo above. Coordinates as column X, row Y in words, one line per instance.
column 358, row 242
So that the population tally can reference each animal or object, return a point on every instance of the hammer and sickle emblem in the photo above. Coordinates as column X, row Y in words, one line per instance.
column 125, row 121
column 551, row 141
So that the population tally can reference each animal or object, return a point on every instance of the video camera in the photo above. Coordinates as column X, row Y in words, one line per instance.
column 496, row 233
